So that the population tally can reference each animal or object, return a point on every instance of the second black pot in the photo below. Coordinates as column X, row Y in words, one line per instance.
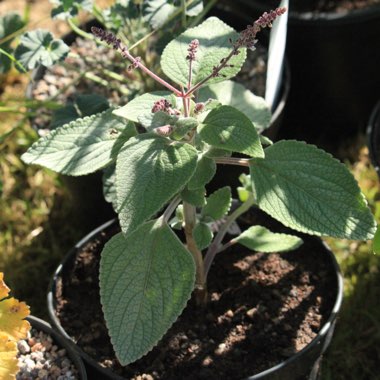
column 334, row 59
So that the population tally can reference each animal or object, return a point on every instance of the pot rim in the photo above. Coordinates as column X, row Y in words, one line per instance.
column 66, row 343
column 325, row 18
column 322, row 334
column 373, row 126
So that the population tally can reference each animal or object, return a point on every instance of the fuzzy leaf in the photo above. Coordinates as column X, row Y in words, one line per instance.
column 8, row 358
column 84, row 105
column 205, row 171
column 109, row 187
column 146, row 280
column 39, row 47
column 150, row 170
column 194, row 197
column 82, row 146
column 184, row 126
column 153, row 120
column 202, row 235
column 260, row 239
column 236, row 95
column 228, row 128
column 143, row 104
column 218, row 203
column 214, row 44
column 308, row 190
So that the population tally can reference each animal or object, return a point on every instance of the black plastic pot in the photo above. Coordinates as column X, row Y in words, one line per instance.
column 334, row 59
column 63, row 342
column 373, row 137
column 303, row 365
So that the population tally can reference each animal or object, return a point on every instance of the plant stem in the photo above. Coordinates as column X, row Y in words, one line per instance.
column 200, row 280
column 158, row 79
column 232, row 161
column 171, row 208
column 216, row 244
column 79, row 31
column 214, row 73
column 184, row 9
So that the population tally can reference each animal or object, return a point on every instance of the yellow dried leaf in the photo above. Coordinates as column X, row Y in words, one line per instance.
column 8, row 358
column 12, row 314
column 4, row 290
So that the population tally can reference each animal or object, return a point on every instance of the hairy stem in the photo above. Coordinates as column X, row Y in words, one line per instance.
column 216, row 244
column 200, row 280
column 215, row 72
column 232, row 161
column 171, row 208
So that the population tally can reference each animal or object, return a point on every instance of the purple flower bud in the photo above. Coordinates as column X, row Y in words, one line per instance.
column 165, row 130
column 247, row 37
column 192, row 50
column 161, row 105
column 199, row 107
column 108, row 37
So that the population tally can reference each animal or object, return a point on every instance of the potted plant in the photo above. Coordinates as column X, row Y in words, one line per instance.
column 327, row 56
column 94, row 72
column 30, row 348
column 147, row 274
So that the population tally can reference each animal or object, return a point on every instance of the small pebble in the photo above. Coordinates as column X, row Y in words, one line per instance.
column 40, row 359
column 251, row 312
column 221, row 349
column 23, row 347
column 230, row 313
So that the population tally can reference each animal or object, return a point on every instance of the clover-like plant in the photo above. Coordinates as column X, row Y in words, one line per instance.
column 147, row 274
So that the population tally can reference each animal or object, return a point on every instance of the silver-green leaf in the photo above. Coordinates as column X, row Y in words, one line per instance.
column 308, row 190
column 82, row 146
column 205, row 171
column 234, row 94
column 150, row 170
column 146, row 280
column 202, row 235
column 228, row 128
column 143, row 104
column 214, row 38
column 261, row 239
column 218, row 203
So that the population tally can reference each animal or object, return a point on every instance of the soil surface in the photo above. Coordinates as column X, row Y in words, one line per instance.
column 262, row 309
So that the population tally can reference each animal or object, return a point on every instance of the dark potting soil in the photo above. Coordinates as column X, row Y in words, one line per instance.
column 262, row 309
